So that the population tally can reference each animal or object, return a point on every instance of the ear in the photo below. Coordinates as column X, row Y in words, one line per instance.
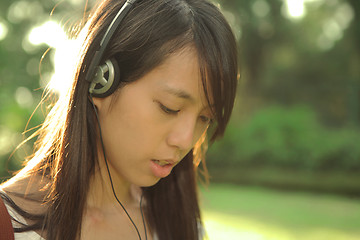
column 98, row 102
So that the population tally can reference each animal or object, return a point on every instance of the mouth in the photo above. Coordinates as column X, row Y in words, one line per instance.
column 163, row 162
column 161, row 168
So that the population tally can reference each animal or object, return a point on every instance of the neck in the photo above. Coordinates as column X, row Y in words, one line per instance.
column 101, row 195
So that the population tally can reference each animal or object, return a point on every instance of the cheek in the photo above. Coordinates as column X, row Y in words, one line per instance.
column 138, row 122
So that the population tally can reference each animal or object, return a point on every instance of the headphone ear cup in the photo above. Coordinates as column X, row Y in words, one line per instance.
column 106, row 79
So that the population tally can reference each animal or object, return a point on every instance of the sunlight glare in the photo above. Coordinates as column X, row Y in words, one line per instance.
column 53, row 35
column 49, row 33
column 219, row 225
column 64, row 62
column 295, row 8
column 216, row 230
column 3, row 31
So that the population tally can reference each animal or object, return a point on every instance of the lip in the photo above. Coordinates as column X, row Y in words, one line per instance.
column 169, row 161
column 162, row 171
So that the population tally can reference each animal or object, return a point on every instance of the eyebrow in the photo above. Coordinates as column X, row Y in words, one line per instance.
column 181, row 94
column 178, row 93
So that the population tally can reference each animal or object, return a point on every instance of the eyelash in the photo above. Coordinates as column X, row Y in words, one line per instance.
column 168, row 110
column 206, row 119
column 174, row 112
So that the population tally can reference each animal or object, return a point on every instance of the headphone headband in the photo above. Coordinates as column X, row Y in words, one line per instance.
column 106, row 38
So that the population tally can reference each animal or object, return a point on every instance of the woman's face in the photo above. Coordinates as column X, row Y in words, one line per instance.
column 155, row 121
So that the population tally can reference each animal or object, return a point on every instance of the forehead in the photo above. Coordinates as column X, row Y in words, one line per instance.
column 180, row 76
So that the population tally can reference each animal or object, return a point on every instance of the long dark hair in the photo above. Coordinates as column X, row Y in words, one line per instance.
column 65, row 150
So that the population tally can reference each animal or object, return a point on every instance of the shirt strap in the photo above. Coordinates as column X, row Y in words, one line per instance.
column 6, row 228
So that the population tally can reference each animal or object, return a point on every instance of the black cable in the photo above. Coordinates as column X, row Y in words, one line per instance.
column 111, row 182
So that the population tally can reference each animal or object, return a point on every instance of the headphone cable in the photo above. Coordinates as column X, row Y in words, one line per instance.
column 111, row 182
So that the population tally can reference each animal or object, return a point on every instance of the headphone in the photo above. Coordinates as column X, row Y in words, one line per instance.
column 104, row 79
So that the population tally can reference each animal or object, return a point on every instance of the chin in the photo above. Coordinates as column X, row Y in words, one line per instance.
column 147, row 183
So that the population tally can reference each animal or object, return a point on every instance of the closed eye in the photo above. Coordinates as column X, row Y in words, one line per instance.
column 168, row 110
column 206, row 119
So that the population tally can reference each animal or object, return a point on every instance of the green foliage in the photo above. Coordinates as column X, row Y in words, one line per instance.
column 285, row 138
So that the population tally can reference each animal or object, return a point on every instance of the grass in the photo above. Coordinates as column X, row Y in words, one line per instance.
column 253, row 213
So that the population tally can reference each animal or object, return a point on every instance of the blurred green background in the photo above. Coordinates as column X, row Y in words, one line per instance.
column 288, row 166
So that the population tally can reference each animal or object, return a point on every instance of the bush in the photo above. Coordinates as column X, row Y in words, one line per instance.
column 288, row 139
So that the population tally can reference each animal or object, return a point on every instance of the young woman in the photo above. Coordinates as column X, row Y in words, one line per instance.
column 116, row 157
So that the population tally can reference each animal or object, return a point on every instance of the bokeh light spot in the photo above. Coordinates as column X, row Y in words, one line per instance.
column 3, row 30
column 260, row 8
column 22, row 10
column 24, row 97
column 295, row 9
column 344, row 15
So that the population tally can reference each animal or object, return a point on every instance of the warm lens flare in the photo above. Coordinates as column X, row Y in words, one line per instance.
column 63, row 54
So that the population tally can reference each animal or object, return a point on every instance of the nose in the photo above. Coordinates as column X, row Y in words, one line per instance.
column 182, row 134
